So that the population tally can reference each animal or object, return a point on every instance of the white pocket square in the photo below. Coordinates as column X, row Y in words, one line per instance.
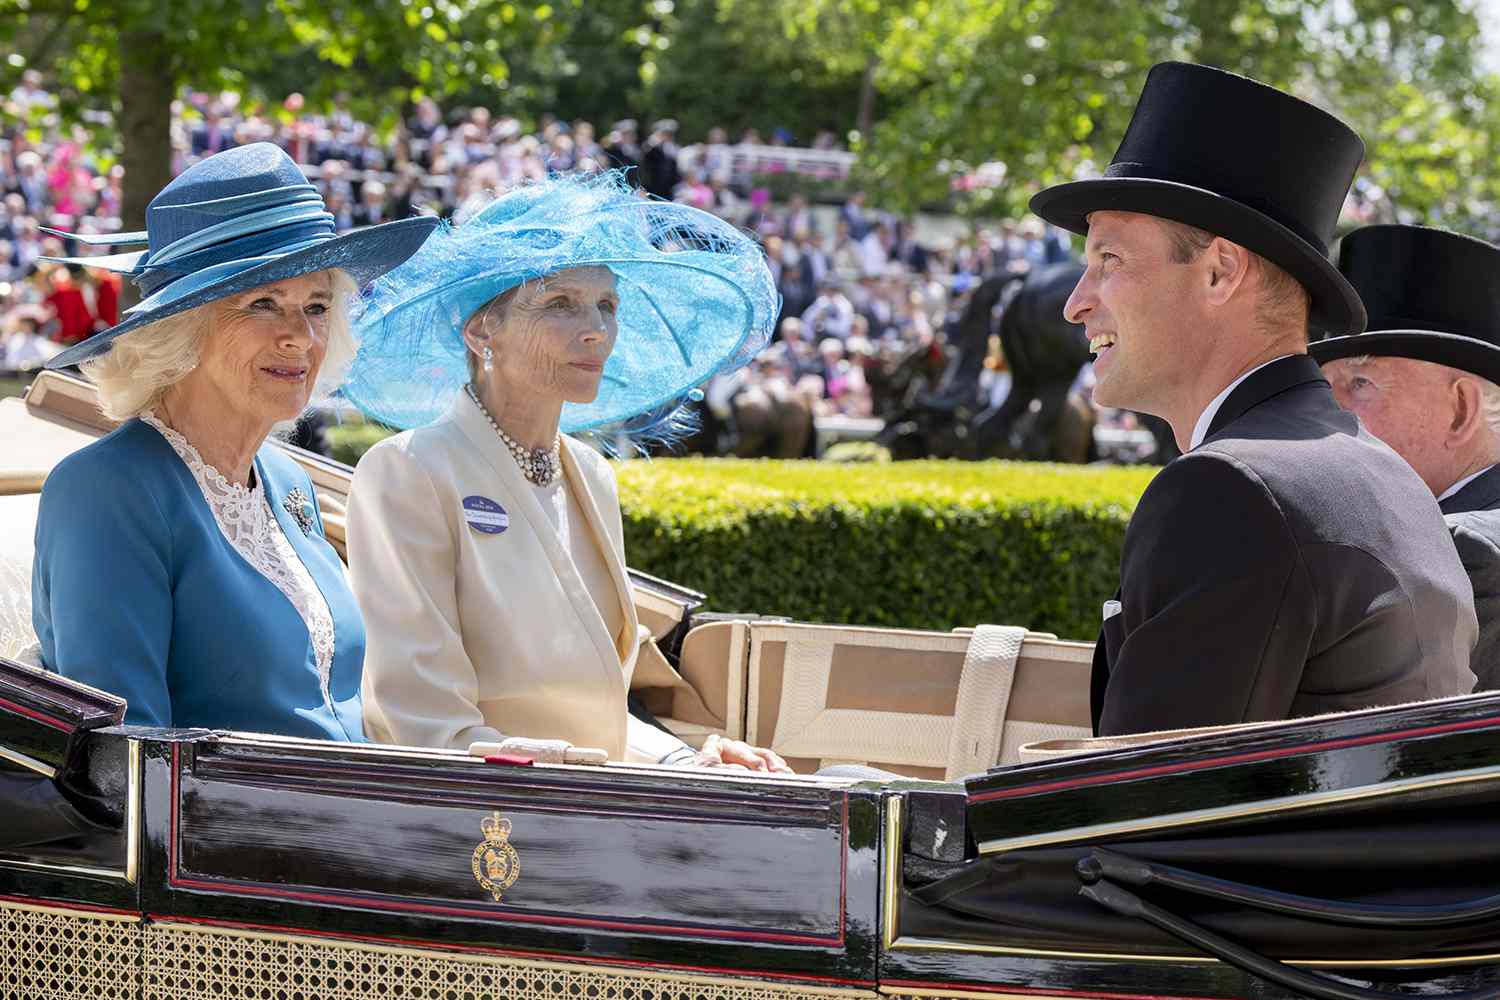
column 1111, row 608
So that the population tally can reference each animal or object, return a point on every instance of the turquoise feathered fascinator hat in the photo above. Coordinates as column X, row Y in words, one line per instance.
column 696, row 299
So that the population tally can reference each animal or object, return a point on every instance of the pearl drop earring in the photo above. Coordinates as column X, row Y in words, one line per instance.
column 488, row 357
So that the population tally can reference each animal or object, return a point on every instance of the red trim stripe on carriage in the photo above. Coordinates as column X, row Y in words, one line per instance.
column 1243, row 758
column 1033, row 991
column 366, row 902
column 536, row 956
column 31, row 713
column 62, row 904
column 369, row 902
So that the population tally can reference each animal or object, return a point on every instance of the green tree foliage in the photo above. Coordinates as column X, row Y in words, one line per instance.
column 930, row 89
column 717, row 62
column 600, row 64
column 130, row 57
column 706, row 62
column 1046, row 87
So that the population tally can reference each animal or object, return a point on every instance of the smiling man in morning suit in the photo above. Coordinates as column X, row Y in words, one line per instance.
column 1288, row 563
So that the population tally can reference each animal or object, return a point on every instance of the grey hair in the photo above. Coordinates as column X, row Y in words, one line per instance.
column 491, row 317
column 142, row 365
column 1489, row 394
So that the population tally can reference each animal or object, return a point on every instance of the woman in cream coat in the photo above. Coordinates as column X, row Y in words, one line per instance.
column 485, row 634
column 486, row 547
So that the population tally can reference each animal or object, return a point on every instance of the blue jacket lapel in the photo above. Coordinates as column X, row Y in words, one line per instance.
column 282, row 476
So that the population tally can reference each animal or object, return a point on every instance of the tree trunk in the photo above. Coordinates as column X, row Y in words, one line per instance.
column 866, row 120
column 146, row 91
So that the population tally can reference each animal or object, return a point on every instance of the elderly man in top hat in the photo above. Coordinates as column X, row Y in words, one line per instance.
column 1424, row 381
column 1288, row 563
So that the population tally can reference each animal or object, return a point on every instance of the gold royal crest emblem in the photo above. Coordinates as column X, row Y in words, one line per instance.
column 495, row 864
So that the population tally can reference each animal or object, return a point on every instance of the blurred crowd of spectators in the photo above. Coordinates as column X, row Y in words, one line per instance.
column 861, row 289
column 871, row 300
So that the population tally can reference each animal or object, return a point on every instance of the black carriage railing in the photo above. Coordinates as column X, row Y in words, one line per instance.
column 1101, row 870
column 1102, row 864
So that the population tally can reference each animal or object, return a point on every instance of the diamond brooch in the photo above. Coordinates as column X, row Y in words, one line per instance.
column 300, row 507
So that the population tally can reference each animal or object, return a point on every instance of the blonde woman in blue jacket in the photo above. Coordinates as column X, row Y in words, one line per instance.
column 180, row 561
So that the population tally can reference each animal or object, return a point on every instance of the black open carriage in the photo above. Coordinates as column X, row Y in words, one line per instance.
column 1326, row 857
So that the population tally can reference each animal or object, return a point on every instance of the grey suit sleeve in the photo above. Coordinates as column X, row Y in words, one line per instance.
column 1476, row 535
column 1217, row 614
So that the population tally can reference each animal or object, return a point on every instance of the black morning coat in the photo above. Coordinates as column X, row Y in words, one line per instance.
column 1290, row 565
column 1473, row 516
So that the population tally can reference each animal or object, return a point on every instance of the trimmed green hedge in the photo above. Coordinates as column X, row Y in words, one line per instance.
column 916, row 544
column 912, row 544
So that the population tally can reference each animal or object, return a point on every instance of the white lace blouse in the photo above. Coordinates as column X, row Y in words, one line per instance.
column 244, row 515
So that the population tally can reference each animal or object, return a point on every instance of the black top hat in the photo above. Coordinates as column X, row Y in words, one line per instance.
column 1239, row 159
column 1432, row 295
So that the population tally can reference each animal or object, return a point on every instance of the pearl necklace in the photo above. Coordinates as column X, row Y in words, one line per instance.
column 540, row 466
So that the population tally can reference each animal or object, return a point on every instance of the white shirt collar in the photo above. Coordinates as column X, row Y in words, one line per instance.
column 1200, row 429
column 1465, row 481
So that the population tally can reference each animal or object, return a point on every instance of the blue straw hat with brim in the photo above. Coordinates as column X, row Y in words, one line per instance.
column 237, row 220
column 696, row 299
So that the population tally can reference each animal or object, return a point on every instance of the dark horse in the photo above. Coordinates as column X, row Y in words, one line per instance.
column 1038, row 420
column 768, row 419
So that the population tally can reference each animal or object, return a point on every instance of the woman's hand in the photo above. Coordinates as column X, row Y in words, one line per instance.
column 737, row 754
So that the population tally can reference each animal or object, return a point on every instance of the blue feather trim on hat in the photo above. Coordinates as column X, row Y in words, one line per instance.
column 696, row 299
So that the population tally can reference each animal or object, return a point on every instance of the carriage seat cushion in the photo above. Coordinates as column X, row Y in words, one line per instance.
column 17, row 534
column 893, row 699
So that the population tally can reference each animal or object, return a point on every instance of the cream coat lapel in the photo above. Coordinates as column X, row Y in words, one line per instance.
column 578, row 481
column 476, row 427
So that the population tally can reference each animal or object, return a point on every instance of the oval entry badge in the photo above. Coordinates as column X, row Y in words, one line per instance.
column 484, row 514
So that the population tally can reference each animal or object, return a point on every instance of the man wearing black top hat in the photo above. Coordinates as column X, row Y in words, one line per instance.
column 1425, row 380
column 1288, row 563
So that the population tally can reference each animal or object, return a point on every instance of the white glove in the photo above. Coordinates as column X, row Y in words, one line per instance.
column 540, row 751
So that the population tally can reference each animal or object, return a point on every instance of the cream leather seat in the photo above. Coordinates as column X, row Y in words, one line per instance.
column 924, row 704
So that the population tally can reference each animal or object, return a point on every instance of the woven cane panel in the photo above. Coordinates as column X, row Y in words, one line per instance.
column 53, row 955
column 190, row 963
